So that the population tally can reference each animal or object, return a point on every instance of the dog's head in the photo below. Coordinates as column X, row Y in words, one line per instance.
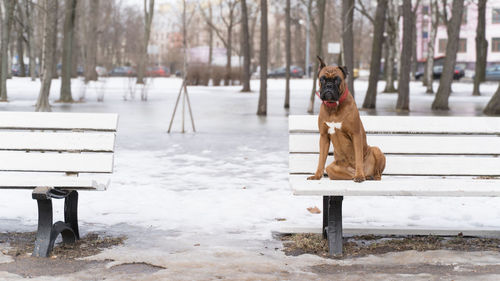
column 331, row 81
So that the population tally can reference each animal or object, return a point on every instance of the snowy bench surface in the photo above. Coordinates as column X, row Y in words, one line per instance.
column 51, row 149
column 56, row 154
column 425, row 156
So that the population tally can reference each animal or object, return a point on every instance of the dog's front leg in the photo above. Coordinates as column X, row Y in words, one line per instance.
column 324, row 146
column 359, row 175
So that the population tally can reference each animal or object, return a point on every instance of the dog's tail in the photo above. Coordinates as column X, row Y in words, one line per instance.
column 379, row 162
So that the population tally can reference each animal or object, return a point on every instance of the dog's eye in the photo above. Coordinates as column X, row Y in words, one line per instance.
column 322, row 80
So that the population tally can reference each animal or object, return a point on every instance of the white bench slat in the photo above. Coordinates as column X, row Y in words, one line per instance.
column 56, row 162
column 44, row 141
column 58, row 121
column 413, row 165
column 409, row 124
column 64, row 182
column 397, row 187
column 423, row 144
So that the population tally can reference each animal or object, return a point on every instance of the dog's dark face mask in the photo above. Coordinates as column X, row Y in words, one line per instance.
column 330, row 88
column 331, row 81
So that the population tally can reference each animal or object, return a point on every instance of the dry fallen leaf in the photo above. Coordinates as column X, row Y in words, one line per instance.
column 314, row 210
column 280, row 219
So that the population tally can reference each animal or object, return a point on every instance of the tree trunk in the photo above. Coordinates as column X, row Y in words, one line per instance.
column 378, row 38
column 453, row 31
column 148, row 19
column 430, row 46
column 413, row 45
column 67, row 58
column 481, row 47
column 403, row 102
column 319, row 42
column 54, row 49
column 27, row 16
column 262, row 107
column 7, row 20
column 20, row 51
column 227, row 80
column 288, row 49
column 210, row 44
column 246, row 47
column 493, row 106
column 347, row 40
column 50, row 12
column 391, row 43
column 91, row 41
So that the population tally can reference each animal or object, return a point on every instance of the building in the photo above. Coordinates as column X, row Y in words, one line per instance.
column 466, row 56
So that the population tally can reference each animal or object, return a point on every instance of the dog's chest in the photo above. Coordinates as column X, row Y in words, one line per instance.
column 332, row 126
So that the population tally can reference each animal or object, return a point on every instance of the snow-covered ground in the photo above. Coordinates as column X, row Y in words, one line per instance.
column 207, row 202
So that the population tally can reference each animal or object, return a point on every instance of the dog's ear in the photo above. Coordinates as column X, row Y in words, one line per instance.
column 344, row 70
column 321, row 63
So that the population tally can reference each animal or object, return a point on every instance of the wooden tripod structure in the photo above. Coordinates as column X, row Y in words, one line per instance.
column 185, row 98
column 183, row 91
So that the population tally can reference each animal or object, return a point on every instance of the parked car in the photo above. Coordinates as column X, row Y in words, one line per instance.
column 492, row 73
column 16, row 70
column 438, row 70
column 123, row 71
column 101, row 70
column 295, row 72
column 158, row 71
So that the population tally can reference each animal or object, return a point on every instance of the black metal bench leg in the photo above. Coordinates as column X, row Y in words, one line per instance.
column 48, row 232
column 71, row 212
column 335, row 242
column 43, row 240
column 326, row 199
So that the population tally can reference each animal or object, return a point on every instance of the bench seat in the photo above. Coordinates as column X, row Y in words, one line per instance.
column 396, row 186
column 59, row 182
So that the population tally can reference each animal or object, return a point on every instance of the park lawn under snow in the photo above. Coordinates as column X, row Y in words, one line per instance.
column 227, row 184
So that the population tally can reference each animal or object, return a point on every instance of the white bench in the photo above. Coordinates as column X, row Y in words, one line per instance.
column 56, row 154
column 426, row 156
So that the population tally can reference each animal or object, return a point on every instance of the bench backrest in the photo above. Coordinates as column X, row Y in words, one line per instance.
column 57, row 142
column 413, row 145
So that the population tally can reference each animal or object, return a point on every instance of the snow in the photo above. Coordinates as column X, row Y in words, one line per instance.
column 225, row 185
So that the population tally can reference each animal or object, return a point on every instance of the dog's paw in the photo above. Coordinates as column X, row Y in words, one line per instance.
column 359, row 178
column 314, row 177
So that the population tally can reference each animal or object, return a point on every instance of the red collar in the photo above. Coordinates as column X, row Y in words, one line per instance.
column 337, row 103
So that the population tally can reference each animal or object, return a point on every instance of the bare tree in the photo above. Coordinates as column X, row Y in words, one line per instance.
column 91, row 41
column 148, row 19
column 50, row 13
column 378, row 36
column 262, row 106
column 453, row 32
column 348, row 39
column 229, row 20
column 246, row 47
column 67, row 58
column 392, row 43
column 493, row 106
column 318, row 28
column 481, row 47
column 403, row 102
column 27, row 14
column 429, row 65
column 288, row 49
column 20, row 43
column 6, row 22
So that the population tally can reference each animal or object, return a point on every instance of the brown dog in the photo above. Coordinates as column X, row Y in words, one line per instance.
column 339, row 122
